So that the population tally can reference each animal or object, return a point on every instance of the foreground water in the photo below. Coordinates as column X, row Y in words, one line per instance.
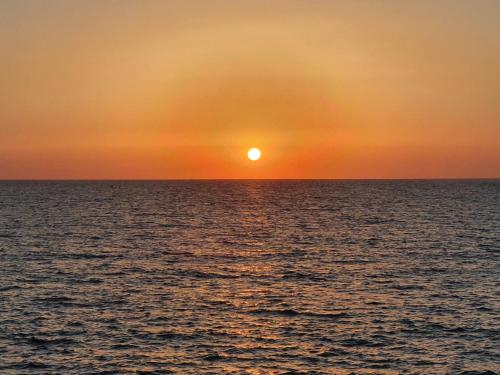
column 255, row 277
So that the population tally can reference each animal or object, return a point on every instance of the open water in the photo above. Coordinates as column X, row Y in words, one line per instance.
column 250, row 277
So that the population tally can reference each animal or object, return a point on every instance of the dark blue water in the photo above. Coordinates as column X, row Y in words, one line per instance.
column 256, row 277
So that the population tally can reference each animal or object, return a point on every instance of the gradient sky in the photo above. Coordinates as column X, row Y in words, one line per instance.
column 182, row 89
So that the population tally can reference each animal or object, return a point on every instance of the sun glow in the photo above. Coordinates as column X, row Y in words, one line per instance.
column 254, row 154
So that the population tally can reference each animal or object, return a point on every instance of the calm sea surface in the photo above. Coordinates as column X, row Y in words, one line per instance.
column 257, row 277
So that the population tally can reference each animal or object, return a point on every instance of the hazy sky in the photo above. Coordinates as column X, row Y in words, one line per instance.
column 181, row 89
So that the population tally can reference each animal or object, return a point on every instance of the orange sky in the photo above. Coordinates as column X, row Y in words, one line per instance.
column 182, row 89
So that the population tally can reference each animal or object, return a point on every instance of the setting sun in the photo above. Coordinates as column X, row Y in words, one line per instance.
column 254, row 154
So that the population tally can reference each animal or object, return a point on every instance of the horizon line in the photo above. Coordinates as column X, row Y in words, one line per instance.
column 246, row 179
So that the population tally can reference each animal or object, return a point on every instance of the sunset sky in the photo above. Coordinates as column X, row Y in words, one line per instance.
column 182, row 89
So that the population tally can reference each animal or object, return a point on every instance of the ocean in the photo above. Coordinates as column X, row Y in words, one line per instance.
column 250, row 277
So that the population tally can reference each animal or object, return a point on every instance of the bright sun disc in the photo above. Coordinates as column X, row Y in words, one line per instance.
column 254, row 153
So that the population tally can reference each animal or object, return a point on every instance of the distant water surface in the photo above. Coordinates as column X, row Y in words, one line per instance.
column 257, row 277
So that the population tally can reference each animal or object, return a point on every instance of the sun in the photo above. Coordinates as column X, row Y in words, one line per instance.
column 254, row 154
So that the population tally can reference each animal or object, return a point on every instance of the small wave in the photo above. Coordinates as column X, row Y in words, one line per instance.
column 87, row 256
column 115, row 273
column 408, row 287
column 213, row 357
column 375, row 221
column 209, row 275
column 173, row 225
column 75, row 324
column 124, row 346
column 169, row 335
column 31, row 365
column 353, row 261
column 91, row 280
column 293, row 313
column 361, row 342
column 9, row 287
column 303, row 276
column 484, row 308
column 38, row 341
column 57, row 299
column 333, row 352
